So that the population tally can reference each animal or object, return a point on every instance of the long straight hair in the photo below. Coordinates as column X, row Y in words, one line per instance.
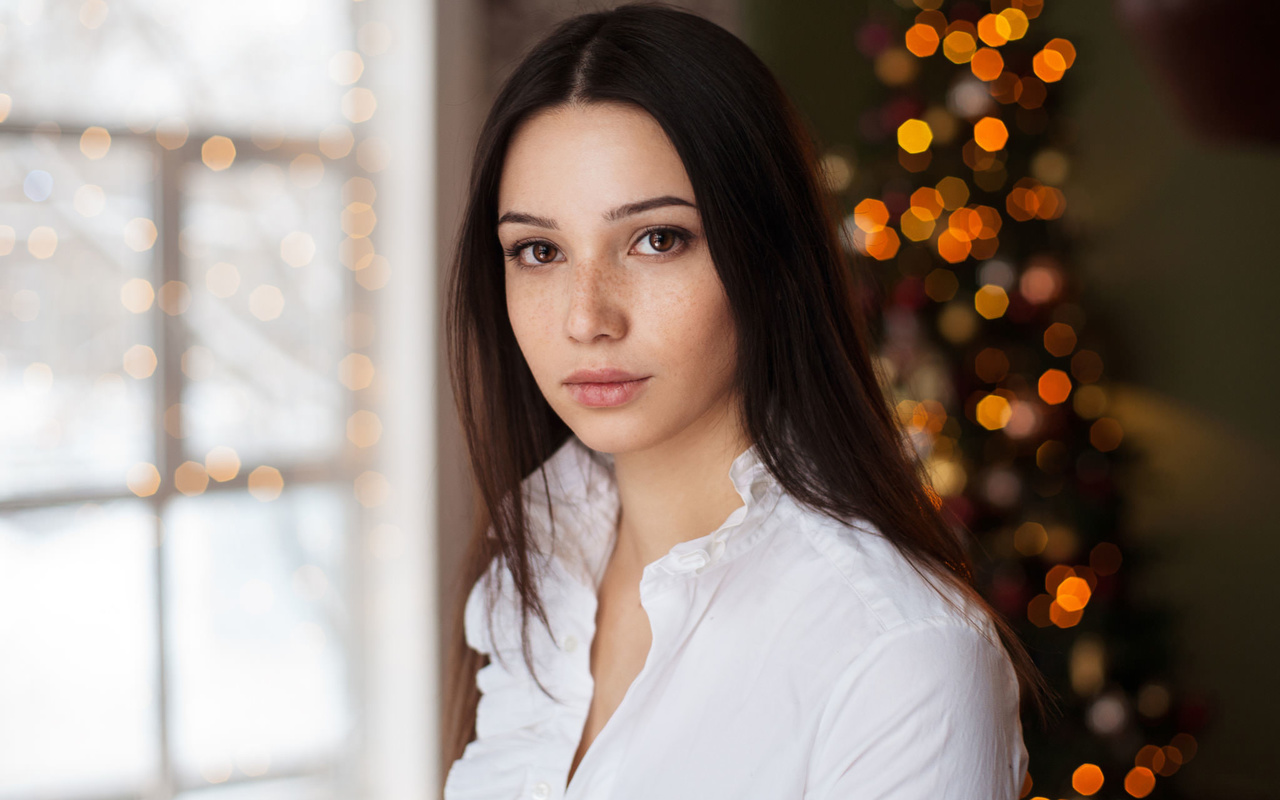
column 812, row 401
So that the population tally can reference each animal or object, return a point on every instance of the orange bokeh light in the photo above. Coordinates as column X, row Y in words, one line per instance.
column 1086, row 365
column 1186, row 744
column 1006, row 88
column 1064, row 48
column 1063, row 618
column 1139, row 782
column 927, row 201
column 1038, row 610
column 991, row 134
column 1050, row 202
column 987, row 64
column 991, row 365
column 933, row 18
column 994, row 30
column 952, row 248
column 871, row 215
column 1087, row 779
column 1049, row 65
column 922, row 40
column 1105, row 434
column 1054, row 386
column 965, row 223
column 1055, row 576
column 882, row 244
column 1073, row 593
column 991, row 221
column 1060, row 339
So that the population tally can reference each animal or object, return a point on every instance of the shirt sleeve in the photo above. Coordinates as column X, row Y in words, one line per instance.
column 929, row 710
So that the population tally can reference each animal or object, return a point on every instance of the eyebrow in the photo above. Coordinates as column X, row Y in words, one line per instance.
column 610, row 216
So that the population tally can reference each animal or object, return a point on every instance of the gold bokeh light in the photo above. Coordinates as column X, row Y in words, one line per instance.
column 959, row 47
column 359, row 104
column 993, row 412
column 915, row 136
column 218, row 153
column 95, row 142
column 364, row 428
column 265, row 483
column 991, row 301
column 190, row 478
column 174, row 297
column 266, row 302
column 222, row 463
column 137, row 295
column 355, row 371
column 143, row 479
column 140, row 361
column 42, row 242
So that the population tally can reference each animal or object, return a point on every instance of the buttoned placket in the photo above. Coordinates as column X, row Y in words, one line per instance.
column 668, row 613
column 664, row 596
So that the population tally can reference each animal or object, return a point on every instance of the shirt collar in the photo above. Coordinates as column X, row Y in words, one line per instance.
column 583, row 493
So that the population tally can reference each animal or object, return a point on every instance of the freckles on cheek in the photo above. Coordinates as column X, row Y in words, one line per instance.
column 531, row 320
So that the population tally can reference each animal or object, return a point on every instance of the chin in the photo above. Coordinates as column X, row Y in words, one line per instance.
column 614, row 431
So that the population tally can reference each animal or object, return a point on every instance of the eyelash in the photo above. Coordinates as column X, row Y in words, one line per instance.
column 685, row 239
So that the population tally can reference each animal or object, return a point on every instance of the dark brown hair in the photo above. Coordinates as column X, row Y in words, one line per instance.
column 812, row 400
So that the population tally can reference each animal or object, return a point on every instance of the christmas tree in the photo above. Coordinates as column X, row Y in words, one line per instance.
column 951, row 166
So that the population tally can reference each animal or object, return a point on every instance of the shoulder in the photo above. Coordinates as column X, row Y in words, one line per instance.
column 869, row 584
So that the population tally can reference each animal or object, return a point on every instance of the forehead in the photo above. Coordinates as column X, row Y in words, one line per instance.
column 577, row 157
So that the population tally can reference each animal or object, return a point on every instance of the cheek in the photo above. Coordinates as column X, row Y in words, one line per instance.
column 697, row 331
column 530, row 319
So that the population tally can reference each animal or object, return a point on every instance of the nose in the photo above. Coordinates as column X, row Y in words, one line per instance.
column 597, row 304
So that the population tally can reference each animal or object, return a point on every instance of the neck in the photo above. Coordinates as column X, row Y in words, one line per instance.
column 677, row 491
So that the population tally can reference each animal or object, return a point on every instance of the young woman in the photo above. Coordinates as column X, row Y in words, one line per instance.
column 708, row 565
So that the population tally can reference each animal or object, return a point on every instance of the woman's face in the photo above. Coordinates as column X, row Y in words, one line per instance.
column 607, row 269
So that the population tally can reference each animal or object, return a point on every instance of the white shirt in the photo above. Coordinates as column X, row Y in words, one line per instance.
column 792, row 657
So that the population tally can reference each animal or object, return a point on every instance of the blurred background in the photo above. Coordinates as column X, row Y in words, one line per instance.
column 232, row 491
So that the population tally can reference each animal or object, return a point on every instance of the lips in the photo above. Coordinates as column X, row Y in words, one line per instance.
column 605, row 386
column 603, row 375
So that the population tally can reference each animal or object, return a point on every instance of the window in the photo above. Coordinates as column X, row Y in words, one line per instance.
column 205, row 562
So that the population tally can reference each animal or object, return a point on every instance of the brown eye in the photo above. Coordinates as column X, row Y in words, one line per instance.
column 543, row 253
column 662, row 241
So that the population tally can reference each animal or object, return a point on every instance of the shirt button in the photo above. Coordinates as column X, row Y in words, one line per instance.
column 569, row 643
column 541, row 790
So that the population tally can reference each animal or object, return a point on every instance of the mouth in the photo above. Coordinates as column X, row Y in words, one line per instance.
column 606, row 394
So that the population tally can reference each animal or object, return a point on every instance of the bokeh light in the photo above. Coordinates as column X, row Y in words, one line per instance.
column 265, row 483
column 914, row 136
column 1087, row 779
column 218, row 153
